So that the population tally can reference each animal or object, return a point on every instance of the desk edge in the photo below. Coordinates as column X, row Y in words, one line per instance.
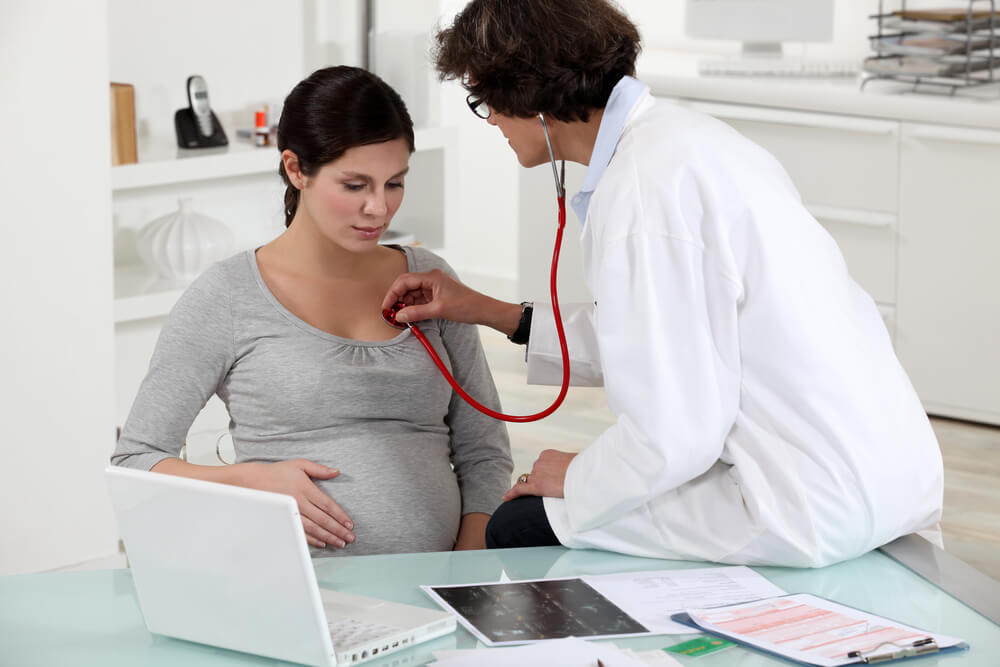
column 956, row 577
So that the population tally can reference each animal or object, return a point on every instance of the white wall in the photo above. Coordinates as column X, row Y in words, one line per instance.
column 483, row 245
column 251, row 52
column 56, row 389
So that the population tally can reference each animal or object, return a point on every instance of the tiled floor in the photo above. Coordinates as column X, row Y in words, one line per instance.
column 971, row 523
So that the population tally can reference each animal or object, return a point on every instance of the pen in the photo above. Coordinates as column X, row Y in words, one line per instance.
column 919, row 647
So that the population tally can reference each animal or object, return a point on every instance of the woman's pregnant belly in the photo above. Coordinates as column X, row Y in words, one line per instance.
column 395, row 483
column 402, row 496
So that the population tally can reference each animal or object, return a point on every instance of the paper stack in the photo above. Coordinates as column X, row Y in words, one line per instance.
column 953, row 43
column 569, row 652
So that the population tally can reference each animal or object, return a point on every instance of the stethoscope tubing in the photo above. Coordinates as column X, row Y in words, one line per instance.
column 563, row 348
column 560, row 179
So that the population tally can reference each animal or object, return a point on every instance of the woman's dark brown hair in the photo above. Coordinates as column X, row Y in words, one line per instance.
column 524, row 57
column 332, row 110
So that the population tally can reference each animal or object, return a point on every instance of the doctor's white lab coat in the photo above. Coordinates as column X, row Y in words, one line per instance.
column 762, row 416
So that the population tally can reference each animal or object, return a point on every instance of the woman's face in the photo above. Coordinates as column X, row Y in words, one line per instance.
column 525, row 137
column 352, row 199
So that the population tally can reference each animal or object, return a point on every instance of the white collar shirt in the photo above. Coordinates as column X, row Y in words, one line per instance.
column 623, row 98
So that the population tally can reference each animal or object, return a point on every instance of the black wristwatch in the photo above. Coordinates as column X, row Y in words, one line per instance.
column 520, row 335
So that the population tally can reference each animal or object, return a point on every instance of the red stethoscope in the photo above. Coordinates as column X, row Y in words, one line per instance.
column 389, row 315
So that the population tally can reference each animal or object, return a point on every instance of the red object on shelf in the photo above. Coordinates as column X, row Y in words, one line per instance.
column 261, row 133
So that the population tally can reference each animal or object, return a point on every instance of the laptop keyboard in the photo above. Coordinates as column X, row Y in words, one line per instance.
column 346, row 632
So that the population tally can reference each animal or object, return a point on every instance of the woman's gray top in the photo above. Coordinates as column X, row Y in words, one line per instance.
column 413, row 456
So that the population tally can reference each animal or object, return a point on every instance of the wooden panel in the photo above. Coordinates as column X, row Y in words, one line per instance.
column 124, row 148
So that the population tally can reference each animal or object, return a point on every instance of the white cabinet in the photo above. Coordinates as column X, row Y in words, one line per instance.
column 948, row 330
column 913, row 208
column 821, row 153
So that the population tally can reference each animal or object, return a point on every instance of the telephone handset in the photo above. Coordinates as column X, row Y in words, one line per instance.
column 197, row 125
column 197, row 91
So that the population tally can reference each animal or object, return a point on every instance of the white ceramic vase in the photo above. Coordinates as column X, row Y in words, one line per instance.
column 182, row 244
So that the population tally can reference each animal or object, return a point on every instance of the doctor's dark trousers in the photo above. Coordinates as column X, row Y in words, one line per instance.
column 520, row 523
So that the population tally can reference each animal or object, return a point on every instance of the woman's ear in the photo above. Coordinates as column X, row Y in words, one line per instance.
column 292, row 169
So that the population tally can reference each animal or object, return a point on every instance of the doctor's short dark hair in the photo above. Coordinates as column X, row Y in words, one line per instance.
column 332, row 110
column 524, row 57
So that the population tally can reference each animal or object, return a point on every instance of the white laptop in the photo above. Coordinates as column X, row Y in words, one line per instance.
column 227, row 566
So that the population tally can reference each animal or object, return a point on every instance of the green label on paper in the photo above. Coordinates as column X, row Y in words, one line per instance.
column 702, row 645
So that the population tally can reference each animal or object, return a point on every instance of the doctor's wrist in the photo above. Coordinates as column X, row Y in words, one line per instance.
column 503, row 316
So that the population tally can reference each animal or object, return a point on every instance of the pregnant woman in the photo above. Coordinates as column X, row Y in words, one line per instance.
column 327, row 402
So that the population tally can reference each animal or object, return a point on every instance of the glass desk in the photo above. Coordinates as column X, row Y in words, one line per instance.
column 93, row 618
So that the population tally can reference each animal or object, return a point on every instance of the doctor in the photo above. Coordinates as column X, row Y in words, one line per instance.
column 762, row 416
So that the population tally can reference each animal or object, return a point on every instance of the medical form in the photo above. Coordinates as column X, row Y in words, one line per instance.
column 816, row 631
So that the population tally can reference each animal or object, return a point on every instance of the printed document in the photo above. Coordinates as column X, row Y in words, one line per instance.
column 652, row 597
column 596, row 606
column 568, row 652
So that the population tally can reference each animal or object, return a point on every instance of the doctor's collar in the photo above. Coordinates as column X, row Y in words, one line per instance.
column 620, row 103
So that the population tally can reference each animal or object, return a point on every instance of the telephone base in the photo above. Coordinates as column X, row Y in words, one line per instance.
column 189, row 134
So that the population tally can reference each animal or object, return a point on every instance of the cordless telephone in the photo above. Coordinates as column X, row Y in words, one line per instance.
column 197, row 126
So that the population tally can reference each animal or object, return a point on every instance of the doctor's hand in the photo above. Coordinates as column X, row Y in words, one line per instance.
column 324, row 521
column 547, row 476
column 436, row 295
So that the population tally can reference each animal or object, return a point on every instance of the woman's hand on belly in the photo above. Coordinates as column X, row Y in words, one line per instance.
column 324, row 521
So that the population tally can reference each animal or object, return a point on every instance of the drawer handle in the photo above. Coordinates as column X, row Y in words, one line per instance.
column 852, row 216
column 947, row 133
column 813, row 120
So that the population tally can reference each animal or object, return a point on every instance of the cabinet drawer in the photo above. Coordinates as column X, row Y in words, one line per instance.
column 842, row 161
column 868, row 242
column 948, row 322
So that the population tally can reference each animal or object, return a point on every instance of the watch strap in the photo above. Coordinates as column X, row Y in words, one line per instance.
column 523, row 331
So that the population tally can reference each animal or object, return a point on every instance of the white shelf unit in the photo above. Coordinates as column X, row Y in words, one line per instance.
column 162, row 163
column 166, row 172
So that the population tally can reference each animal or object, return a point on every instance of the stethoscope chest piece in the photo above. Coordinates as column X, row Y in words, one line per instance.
column 389, row 315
